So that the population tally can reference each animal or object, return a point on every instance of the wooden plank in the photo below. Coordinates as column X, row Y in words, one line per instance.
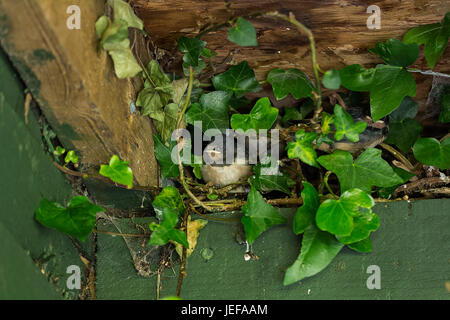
column 76, row 87
column 411, row 248
column 339, row 27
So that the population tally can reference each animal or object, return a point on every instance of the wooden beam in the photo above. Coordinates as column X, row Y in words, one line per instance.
column 75, row 85
column 339, row 26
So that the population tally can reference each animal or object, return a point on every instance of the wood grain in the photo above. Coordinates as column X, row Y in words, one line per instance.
column 75, row 85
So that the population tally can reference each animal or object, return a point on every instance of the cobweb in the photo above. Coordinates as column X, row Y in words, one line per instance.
column 145, row 258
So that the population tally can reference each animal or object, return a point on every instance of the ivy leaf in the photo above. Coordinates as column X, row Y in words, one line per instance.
column 345, row 126
column 59, row 151
column 295, row 114
column 243, row 34
column 77, row 220
column 363, row 246
column 331, row 79
column 266, row 183
column 212, row 111
column 125, row 64
column 258, row 216
column 115, row 36
column 123, row 11
column 292, row 81
column 431, row 152
column 179, row 88
column 163, row 154
column 165, row 232
column 388, row 191
column 404, row 130
column 207, row 53
column 327, row 121
column 364, row 224
column 337, row 216
column 357, row 78
column 239, row 79
column 192, row 49
column 101, row 25
column 318, row 250
column 306, row 214
column 391, row 85
column 262, row 116
column 433, row 36
column 169, row 123
column 397, row 53
column 444, row 116
column 367, row 171
column 169, row 197
column 159, row 78
column 118, row 171
column 303, row 148
column 71, row 157
column 193, row 231
column 153, row 101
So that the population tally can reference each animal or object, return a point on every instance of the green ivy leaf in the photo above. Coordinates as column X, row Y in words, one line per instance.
column 331, row 79
column 169, row 123
column 444, row 116
column 292, row 81
column 258, row 216
column 179, row 89
column 243, row 34
column 337, row 216
column 303, row 148
column 318, row 250
column 306, row 214
column 159, row 78
column 115, row 36
column 345, row 126
column 212, row 111
column 294, row 114
column 431, row 152
column 433, row 36
column 77, row 219
column 386, row 192
column 123, row 11
column 357, row 78
column 267, row 183
column 192, row 49
column 59, row 151
column 391, row 85
column 163, row 154
column 118, row 171
column 364, row 224
column 404, row 130
column 101, row 25
column 125, row 64
column 363, row 246
column 169, row 197
column 397, row 53
column 262, row 116
column 239, row 79
column 327, row 121
column 367, row 171
column 71, row 157
column 165, row 232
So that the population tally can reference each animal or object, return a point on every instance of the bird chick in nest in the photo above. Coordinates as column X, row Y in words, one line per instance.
column 231, row 160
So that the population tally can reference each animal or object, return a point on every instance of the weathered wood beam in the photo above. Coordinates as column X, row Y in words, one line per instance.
column 75, row 85
column 339, row 26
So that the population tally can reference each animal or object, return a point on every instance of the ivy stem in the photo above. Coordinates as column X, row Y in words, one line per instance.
column 399, row 156
column 183, row 257
column 127, row 235
column 303, row 29
column 325, row 181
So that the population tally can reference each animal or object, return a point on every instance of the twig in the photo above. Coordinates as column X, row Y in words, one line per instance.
column 399, row 156
column 421, row 184
column 325, row 181
column 127, row 235
column 183, row 257
column 303, row 29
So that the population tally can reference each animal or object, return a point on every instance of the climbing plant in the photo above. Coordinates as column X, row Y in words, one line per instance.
column 338, row 186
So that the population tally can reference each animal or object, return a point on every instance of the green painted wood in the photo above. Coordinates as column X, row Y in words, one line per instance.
column 412, row 249
column 27, row 175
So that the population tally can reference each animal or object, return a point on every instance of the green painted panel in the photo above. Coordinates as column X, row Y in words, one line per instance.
column 27, row 175
column 411, row 248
